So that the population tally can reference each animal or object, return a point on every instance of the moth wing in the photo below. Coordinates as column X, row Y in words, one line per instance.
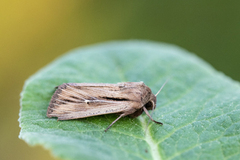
column 79, row 100
column 75, row 111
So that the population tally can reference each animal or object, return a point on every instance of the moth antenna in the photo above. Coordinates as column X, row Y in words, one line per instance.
column 161, row 87
column 153, row 106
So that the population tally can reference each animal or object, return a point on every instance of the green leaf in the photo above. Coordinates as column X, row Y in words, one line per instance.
column 199, row 107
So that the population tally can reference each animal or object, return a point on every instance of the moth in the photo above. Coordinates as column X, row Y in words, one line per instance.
column 81, row 100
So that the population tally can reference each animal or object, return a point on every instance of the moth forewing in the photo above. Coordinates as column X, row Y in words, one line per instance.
column 81, row 100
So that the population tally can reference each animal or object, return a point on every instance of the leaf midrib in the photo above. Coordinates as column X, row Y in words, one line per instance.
column 148, row 138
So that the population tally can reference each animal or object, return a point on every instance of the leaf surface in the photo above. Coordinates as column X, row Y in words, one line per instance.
column 199, row 107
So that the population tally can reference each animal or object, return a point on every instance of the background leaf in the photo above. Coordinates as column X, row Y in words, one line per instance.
column 199, row 106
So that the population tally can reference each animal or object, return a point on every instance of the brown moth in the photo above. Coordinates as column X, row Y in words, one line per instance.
column 81, row 100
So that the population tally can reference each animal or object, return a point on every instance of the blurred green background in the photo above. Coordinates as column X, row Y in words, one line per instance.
column 33, row 33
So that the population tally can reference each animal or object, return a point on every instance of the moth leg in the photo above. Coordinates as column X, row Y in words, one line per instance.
column 122, row 115
column 146, row 111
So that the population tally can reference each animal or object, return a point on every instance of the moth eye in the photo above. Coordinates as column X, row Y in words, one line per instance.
column 149, row 105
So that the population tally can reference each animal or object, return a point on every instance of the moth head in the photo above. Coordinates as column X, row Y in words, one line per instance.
column 151, row 104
